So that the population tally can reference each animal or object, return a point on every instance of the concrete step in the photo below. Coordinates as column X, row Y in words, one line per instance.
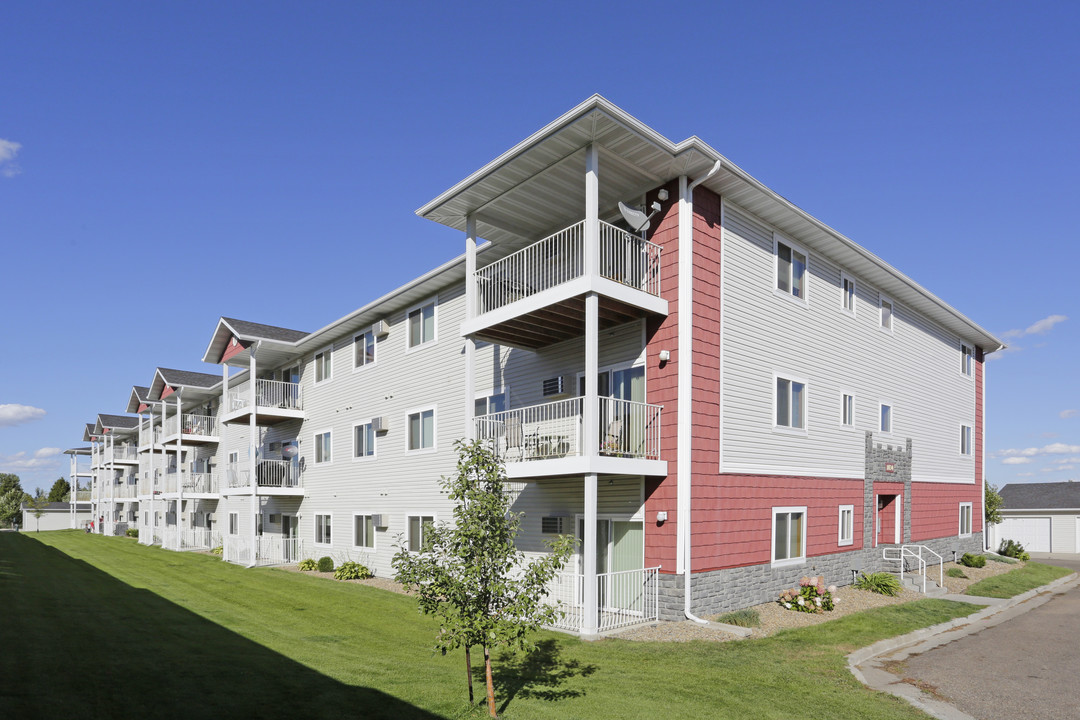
column 914, row 582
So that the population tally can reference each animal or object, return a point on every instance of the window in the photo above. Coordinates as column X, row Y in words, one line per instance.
column 234, row 523
column 790, row 269
column 323, row 445
column 790, row 404
column 363, row 441
column 847, row 410
column 422, row 430
column 886, row 313
column 364, row 531
column 847, row 290
column 886, row 418
column 322, row 365
column 364, row 349
column 965, row 519
column 965, row 440
column 966, row 355
column 847, row 525
column 322, row 529
column 258, row 523
column 234, row 458
column 488, row 404
column 789, row 535
column 422, row 325
column 419, row 525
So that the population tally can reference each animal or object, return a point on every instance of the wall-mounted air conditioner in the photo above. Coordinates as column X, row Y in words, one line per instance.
column 380, row 329
column 380, row 424
column 558, row 386
column 379, row 521
column 275, row 518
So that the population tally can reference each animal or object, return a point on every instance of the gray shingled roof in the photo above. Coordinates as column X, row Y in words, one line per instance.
column 118, row 421
column 1041, row 496
column 143, row 393
column 269, row 332
column 187, row 378
column 50, row 506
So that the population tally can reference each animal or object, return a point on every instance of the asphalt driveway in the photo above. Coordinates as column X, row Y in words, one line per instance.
column 1024, row 668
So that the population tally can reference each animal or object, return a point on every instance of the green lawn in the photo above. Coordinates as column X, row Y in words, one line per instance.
column 1017, row 581
column 99, row 627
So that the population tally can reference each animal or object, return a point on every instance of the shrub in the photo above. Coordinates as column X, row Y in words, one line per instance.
column 326, row 564
column 132, row 532
column 811, row 596
column 955, row 572
column 350, row 570
column 308, row 564
column 973, row 561
column 882, row 583
column 742, row 618
column 217, row 551
column 1013, row 549
column 998, row 558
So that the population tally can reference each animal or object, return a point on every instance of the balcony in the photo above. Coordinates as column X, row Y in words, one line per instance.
column 536, row 296
column 272, row 477
column 199, row 539
column 201, row 484
column 120, row 454
column 275, row 401
column 547, row 439
column 197, row 429
column 266, row 550
column 149, row 438
column 83, row 496
column 624, row 598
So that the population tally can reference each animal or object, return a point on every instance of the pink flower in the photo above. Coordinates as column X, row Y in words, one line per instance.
column 832, row 589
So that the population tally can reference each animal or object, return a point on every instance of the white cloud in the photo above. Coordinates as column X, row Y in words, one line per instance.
column 1040, row 327
column 1070, row 460
column 1025, row 474
column 11, row 414
column 47, row 452
column 1066, row 467
column 1051, row 449
column 8, row 150
column 1016, row 460
column 22, row 461
column 1066, row 414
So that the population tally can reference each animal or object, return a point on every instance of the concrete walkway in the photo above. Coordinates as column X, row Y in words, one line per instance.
column 869, row 664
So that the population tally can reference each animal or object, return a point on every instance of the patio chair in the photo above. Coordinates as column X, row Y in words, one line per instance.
column 515, row 437
column 613, row 441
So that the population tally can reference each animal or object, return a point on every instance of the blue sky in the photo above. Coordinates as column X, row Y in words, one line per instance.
column 157, row 160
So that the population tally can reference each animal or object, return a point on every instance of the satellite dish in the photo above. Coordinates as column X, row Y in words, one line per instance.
column 636, row 219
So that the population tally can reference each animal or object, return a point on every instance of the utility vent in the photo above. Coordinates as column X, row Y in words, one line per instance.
column 552, row 525
column 275, row 447
column 209, row 517
column 380, row 424
column 275, row 518
column 380, row 329
column 378, row 521
column 556, row 387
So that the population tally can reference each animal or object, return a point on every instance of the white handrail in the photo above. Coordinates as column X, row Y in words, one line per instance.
column 916, row 551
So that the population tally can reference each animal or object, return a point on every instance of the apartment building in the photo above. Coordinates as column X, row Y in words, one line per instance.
column 713, row 390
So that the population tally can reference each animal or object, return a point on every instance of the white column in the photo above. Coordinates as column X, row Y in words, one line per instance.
column 470, row 313
column 252, row 434
column 179, row 464
column 591, row 235
column 109, row 439
column 74, row 499
column 590, row 620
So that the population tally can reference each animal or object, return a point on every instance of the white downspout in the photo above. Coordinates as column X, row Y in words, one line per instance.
column 684, row 433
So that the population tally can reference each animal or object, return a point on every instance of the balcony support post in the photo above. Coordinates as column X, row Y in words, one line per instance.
column 591, row 234
column 470, row 313
column 590, row 619
column 112, row 482
column 179, row 464
column 252, row 433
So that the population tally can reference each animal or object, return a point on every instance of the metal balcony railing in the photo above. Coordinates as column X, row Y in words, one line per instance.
column 204, row 425
column 268, row 473
column 268, row 394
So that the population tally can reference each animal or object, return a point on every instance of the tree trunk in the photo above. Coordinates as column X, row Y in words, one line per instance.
column 468, row 671
column 490, row 684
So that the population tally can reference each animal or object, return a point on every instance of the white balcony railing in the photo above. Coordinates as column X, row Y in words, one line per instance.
column 266, row 550
column 149, row 435
column 549, row 430
column 199, row 539
column 201, row 483
column 120, row 453
column 559, row 258
column 268, row 473
column 203, row 425
column 268, row 394
column 623, row 598
column 83, row 495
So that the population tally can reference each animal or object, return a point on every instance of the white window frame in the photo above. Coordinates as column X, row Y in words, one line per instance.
column 884, row 300
column 315, row 529
column 327, row 353
column 316, row 446
column 967, row 441
column 844, row 413
column 354, row 543
column 408, row 520
column 847, row 279
column 434, row 429
column 788, row 429
column 804, row 300
column 776, row 511
column 967, row 360
column 892, row 418
column 965, row 506
column 850, row 539
column 374, row 350
column 374, row 443
column 234, row 523
column 409, row 347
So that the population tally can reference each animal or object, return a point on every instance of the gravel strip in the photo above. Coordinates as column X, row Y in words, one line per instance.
column 377, row 582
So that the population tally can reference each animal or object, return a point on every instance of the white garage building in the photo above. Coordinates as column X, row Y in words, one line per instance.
column 55, row 516
column 1043, row 517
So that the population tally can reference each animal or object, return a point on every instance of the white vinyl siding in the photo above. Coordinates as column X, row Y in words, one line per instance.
column 846, row 529
column 914, row 369
column 788, row 535
column 965, row 519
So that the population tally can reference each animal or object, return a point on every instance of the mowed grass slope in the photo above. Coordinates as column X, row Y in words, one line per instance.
column 103, row 627
column 1018, row 581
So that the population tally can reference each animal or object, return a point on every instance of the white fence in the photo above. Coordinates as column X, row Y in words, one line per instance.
column 623, row 598
column 268, row 550
column 120, row 453
column 202, row 425
column 268, row 393
column 268, row 473
column 199, row 539
column 201, row 483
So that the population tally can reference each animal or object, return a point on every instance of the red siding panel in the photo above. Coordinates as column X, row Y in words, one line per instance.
column 935, row 509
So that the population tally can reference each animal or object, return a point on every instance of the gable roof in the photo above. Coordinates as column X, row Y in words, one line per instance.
column 248, row 333
column 139, row 396
column 116, row 422
column 169, row 378
column 1041, row 496
column 89, row 432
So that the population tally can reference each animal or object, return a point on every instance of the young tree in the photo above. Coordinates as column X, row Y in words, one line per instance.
column 992, row 503
column 37, row 506
column 470, row 574
column 60, row 491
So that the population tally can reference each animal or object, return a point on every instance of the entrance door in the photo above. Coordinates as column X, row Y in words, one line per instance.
column 288, row 538
column 888, row 520
column 620, row 546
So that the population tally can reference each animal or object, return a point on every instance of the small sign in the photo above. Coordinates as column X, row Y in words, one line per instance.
column 890, row 467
